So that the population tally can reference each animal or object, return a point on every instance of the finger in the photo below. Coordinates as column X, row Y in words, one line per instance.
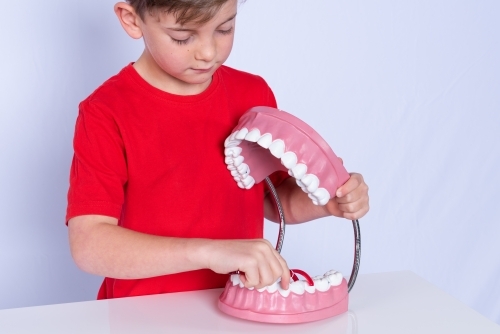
column 353, row 206
column 358, row 214
column 353, row 189
column 272, row 270
column 285, row 273
column 280, row 267
column 357, row 194
column 252, row 277
column 266, row 276
column 354, row 181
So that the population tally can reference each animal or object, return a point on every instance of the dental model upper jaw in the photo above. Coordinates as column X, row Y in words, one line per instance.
column 241, row 172
column 234, row 160
column 267, row 139
column 309, row 183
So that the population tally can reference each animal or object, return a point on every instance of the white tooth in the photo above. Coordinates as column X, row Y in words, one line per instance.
column 241, row 134
column 309, row 288
column 306, row 180
column 231, row 140
column 262, row 289
column 231, row 167
column 321, row 192
column 251, row 183
column 238, row 160
column 241, row 185
column 299, row 171
column 232, row 151
column 235, row 279
column 300, row 184
column 315, row 202
column 226, row 142
column 242, row 168
column 228, row 161
column 284, row 293
column 335, row 279
column 265, row 140
column 233, row 136
column 233, row 143
column 272, row 288
column 311, row 182
column 289, row 160
column 235, row 173
column 251, row 288
column 314, row 186
column 313, row 198
column 321, row 284
column 277, row 148
column 324, row 201
column 237, row 179
column 298, row 287
column 245, row 173
column 322, row 195
column 330, row 272
column 247, row 181
column 253, row 135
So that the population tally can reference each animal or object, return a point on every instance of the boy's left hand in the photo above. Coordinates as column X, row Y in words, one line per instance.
column 351, row 199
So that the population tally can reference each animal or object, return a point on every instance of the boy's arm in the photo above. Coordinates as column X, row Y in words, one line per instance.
column 351, row 202
column 99, row 246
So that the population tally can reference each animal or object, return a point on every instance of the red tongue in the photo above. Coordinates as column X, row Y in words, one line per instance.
column 302, row 273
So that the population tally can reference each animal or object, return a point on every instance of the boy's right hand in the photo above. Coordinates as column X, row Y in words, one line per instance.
column 261, row 265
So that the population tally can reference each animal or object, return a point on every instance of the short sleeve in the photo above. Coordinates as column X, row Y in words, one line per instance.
column 271, row 100
column 99, row 171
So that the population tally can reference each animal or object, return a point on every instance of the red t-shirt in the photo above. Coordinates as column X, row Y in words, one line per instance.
column 155, row 161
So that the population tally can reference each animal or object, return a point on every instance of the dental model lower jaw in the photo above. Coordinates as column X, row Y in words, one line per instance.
column 264, row 133
column 303, row 301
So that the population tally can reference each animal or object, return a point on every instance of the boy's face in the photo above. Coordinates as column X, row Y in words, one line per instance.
column 184, row 57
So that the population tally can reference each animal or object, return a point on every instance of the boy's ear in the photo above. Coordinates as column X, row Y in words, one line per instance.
column 129, row 19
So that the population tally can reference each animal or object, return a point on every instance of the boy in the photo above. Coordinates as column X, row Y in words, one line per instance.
column 151, row 205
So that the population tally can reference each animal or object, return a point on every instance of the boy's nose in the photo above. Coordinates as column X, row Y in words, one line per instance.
column 206, row 51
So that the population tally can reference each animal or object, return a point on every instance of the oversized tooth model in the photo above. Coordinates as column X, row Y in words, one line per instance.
column 264, row 141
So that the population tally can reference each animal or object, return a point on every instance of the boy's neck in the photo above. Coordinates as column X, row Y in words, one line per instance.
column 149, row 70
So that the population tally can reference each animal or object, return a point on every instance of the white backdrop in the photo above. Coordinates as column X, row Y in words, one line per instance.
column 406, row 92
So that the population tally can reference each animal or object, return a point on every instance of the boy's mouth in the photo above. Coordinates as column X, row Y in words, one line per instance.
column 202, row 70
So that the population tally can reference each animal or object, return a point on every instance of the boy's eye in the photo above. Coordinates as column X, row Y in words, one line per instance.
column 226, row 31
column 180, row 41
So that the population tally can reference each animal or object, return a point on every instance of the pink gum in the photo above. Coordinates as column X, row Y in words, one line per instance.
column 299, row 138
column 273, row 307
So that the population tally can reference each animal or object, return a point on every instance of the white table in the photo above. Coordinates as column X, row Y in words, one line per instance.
column 397, row 302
